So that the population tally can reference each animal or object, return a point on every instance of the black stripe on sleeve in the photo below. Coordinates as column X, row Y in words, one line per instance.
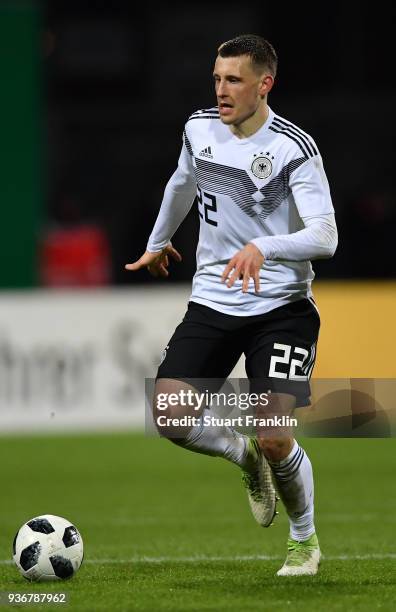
column 293, row 128
column 292, row 137
column 187, row 143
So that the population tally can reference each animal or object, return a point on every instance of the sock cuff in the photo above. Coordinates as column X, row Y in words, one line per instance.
column 285, row 469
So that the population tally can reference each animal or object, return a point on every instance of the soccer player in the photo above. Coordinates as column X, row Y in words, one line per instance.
column 265, row 211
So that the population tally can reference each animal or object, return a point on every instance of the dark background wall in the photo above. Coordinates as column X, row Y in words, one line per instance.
column 21, row 184
column 119, row 81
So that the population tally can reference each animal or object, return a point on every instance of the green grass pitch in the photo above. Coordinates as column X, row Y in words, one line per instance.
column 165, row 529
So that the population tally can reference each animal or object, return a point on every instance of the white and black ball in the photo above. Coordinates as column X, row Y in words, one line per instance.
column 48, row 548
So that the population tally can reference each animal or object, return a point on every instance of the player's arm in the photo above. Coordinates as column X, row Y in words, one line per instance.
column 318, row 239
column 178, row 197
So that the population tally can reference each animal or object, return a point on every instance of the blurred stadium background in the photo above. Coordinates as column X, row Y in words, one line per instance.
column 94, row 99
column 94, row 103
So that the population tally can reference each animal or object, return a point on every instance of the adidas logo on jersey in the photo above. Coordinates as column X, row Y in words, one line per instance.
column 206, row 153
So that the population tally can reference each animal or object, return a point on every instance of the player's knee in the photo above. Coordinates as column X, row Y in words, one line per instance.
column 276, row 448
column 174, row 407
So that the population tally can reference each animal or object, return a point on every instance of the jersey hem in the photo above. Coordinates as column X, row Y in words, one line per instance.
column 266, row 308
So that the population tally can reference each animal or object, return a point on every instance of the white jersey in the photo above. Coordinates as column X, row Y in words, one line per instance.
column 269, row 189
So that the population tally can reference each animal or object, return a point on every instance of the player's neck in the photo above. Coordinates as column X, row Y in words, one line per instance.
column 251, row 125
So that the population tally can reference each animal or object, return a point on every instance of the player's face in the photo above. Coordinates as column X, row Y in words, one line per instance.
column 239, row 89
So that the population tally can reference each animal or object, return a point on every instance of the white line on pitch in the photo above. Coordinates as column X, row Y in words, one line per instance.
column 207, row 558
column 324, row 518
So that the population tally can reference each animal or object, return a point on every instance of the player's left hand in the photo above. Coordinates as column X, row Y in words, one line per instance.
column 245, row 264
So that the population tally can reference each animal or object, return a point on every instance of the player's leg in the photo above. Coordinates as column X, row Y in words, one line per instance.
column 202, row 352
column 291, row 467
column 218, row 440
column 292, row 473
column 196, row 435
column 294, row 481
column 269, row 353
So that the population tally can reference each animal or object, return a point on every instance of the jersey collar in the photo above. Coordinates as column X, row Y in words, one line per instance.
column 257, row 136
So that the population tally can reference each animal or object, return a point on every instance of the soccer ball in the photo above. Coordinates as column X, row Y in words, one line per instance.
column 47, row 548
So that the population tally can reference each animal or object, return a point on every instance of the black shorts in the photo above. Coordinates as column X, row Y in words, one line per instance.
column 279, row 346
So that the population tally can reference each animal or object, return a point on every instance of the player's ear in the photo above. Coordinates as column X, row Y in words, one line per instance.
column 266, row 84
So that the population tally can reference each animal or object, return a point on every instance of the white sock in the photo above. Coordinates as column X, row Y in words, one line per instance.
column 217, row 441
column 294, row 481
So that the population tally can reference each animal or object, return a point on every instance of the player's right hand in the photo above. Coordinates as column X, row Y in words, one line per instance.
column 156, row 263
